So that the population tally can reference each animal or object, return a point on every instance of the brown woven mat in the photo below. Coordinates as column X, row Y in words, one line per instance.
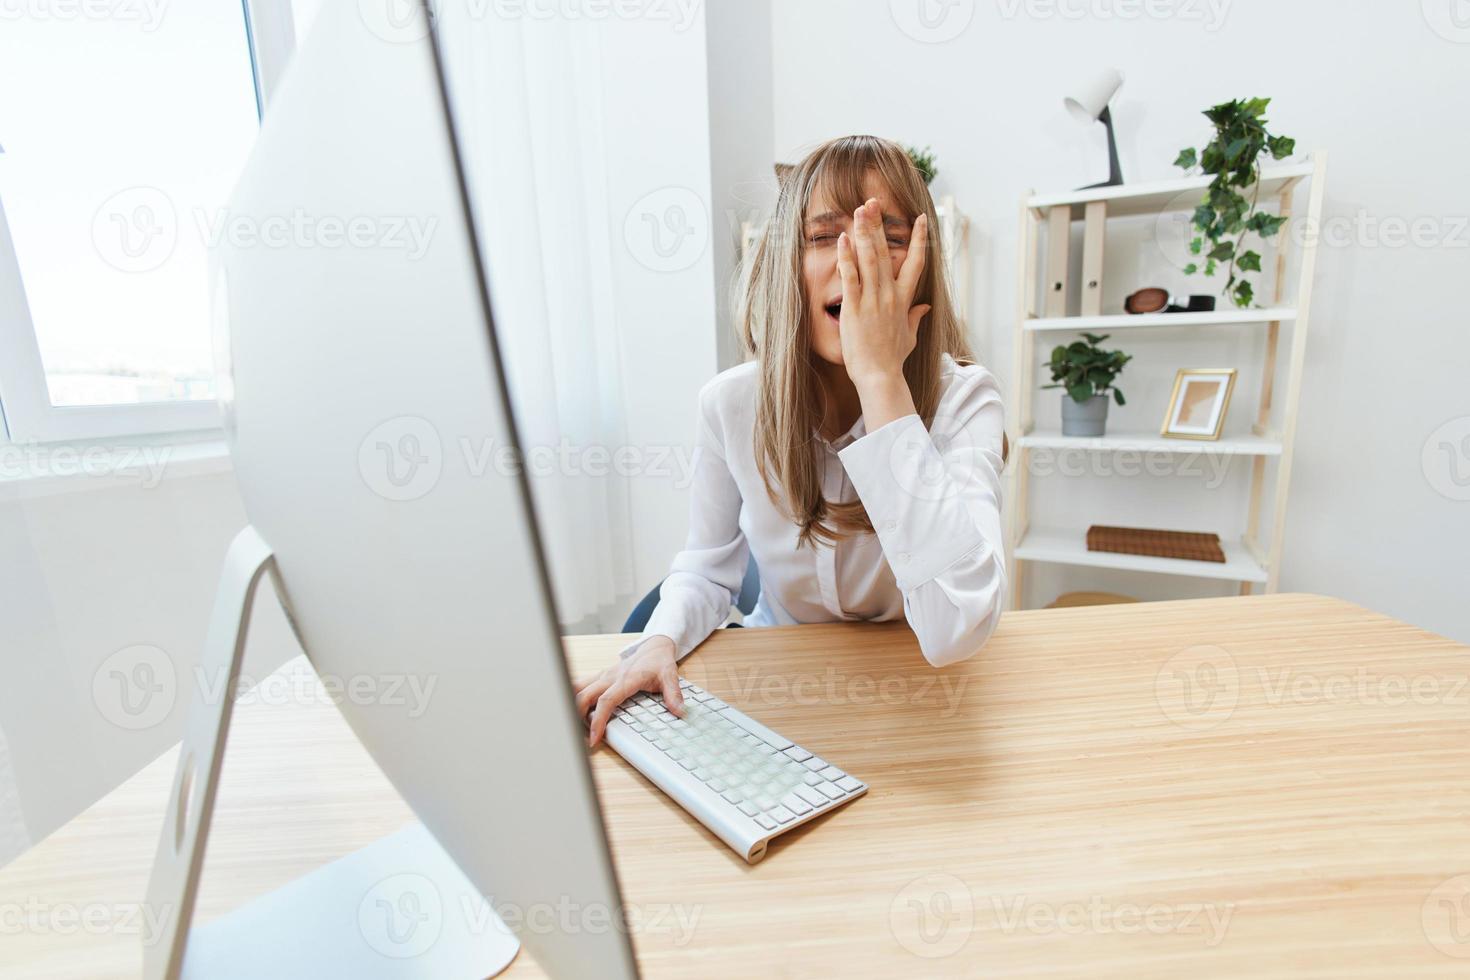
column 1156, row 544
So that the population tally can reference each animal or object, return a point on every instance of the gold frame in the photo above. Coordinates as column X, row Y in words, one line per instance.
column 1174, row 400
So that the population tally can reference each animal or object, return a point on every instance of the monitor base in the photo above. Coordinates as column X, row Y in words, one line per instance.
column 398, row 909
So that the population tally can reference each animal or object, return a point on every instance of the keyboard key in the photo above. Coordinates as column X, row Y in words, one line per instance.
column 747, row 809
column 811, row 796
column 849, row 783
column 717, row 785
column 798, row 754
column 701, row 774
column 781, row 815
column 732, row 796
column 687, row 763
column 815, row 764
column 812, row 779
column 777, row 742
column 765, row 821
column 650, row 734
column 795, row 804
column 831, row 791
column 832, row 773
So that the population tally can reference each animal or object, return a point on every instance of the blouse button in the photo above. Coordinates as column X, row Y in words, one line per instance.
column 890, row 525
column 903, row 559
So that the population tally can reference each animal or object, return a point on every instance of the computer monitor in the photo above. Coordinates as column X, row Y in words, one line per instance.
column 360, row 383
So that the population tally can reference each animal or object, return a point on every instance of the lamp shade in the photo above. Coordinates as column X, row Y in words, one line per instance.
column 1088, row 102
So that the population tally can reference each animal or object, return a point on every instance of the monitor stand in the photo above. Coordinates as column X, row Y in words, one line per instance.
column 399, row 908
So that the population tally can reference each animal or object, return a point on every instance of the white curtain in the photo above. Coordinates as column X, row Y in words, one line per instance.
column 526, row 97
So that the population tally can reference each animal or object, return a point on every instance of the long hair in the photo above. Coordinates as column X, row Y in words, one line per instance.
column 776, row 330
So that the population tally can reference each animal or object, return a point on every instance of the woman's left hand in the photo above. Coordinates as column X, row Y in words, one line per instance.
column 879, row 323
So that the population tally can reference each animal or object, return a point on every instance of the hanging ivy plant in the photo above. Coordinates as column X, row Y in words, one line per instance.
column 1224, row 217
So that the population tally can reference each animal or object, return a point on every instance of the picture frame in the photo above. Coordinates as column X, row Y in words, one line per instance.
column 1199, row 403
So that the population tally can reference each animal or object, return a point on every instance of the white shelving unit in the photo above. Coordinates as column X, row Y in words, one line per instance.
column 1254, row 558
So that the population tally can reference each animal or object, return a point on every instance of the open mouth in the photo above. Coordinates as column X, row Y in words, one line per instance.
column 834, row 310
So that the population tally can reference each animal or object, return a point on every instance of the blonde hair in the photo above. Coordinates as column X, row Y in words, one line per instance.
column 775, row 328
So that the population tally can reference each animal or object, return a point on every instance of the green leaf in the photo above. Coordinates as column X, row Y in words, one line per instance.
column 1191, row 269
column 1195, row 244
column 1210, row 267
column 1265, row 224
column 1186, row 158
column 1281, row 146
column 1249, row 262
column 1080, row 392
column 1095, row 339
column 1243, row 293
column 1118, row 397
column 1222, row 251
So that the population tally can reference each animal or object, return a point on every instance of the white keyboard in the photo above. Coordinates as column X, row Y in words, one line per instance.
column 737, row 777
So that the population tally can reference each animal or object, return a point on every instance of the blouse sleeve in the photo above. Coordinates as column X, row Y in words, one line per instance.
column 934, row 498
column 705, row 578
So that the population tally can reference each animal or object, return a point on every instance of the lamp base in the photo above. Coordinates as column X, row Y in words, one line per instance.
column 1115, row 172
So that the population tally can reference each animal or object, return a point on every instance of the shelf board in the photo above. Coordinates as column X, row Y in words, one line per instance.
column 1244, row 445
column 1158, row 197
column 1068, row 546
column 1131, row 321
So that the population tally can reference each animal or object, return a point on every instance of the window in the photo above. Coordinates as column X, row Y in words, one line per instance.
column 123, row 127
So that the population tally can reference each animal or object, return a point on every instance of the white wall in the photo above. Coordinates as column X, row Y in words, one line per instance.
column 1373, row 518
column 741, row 132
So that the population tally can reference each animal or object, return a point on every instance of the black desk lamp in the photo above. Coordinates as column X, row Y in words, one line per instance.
column 1091, row 105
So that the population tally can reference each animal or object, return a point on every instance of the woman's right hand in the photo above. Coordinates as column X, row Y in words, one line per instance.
column 654, row 667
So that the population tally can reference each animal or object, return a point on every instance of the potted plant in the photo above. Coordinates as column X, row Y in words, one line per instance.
column 1226, row 216
column 1087, row 372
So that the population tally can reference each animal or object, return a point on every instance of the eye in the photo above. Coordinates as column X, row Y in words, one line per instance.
column 898, row 242
column 821, row 238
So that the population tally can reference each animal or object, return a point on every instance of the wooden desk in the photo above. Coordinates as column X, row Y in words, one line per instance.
column 1054, row 807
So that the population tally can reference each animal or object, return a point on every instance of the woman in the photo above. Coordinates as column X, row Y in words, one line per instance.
column 857, row 456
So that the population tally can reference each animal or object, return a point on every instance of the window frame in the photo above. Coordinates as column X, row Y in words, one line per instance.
column 26, row 412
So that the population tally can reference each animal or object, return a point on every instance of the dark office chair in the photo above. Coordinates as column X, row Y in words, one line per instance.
column 750, row 591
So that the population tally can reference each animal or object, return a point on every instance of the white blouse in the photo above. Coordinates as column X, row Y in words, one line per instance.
column 933, row 496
